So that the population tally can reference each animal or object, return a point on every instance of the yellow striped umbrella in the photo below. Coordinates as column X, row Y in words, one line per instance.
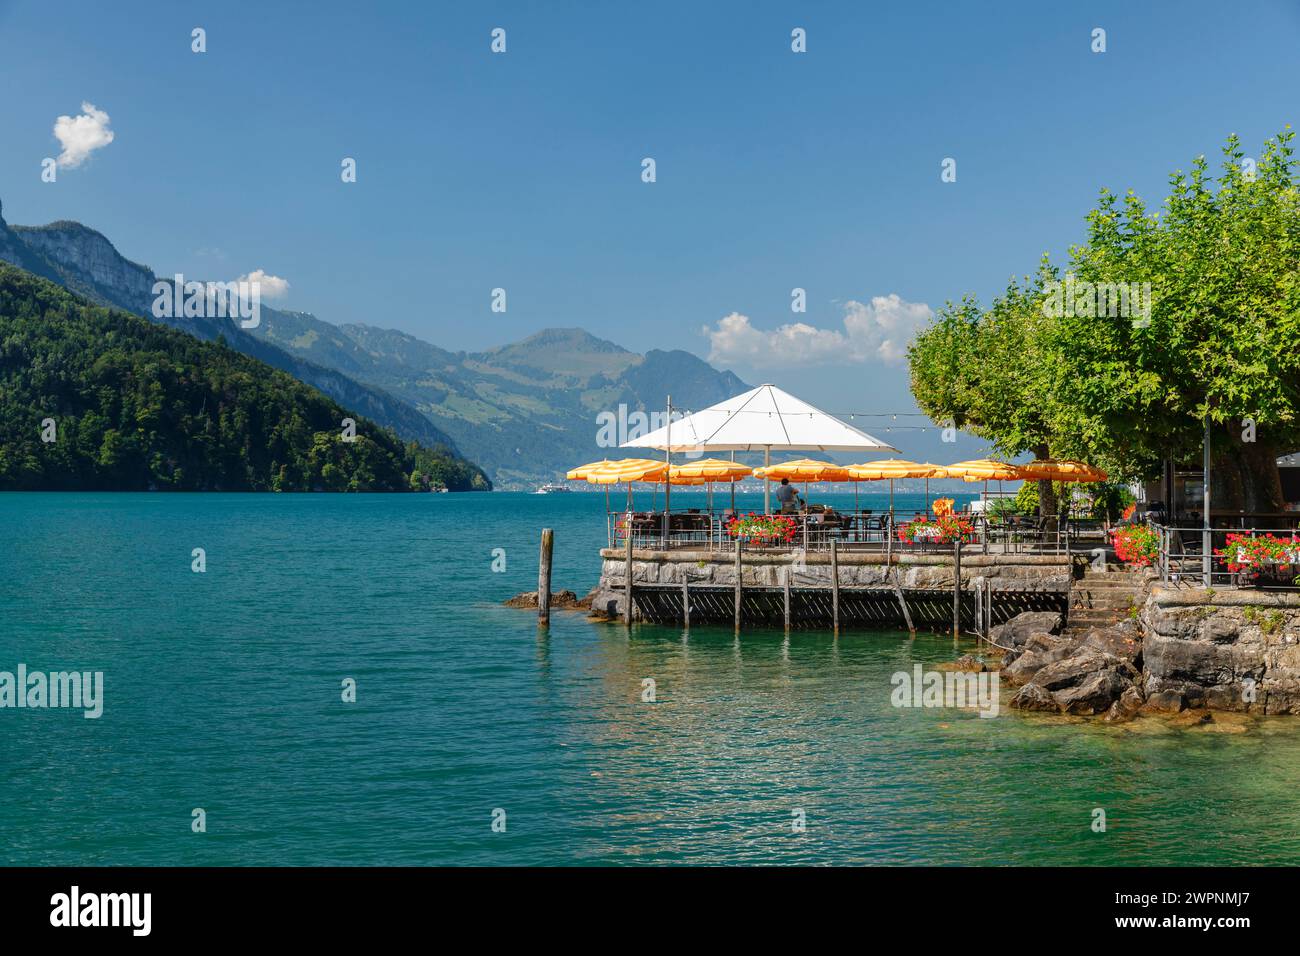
column 806, row 469
column 894, row 468
column 628, row 470
column 580, row 473
column 712, row 469
column 985, row 469
column 708, row 470
column 803, row 470
column 1061, row 469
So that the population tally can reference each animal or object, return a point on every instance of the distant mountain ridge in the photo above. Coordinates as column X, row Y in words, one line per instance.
column 86, row 262
column 525, row 412
column 98, row 398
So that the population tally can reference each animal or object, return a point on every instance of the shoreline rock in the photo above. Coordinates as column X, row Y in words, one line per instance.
column 560, row 601
column 1018, row 630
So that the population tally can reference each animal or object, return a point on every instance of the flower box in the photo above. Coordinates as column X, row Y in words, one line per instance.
column 765, row 529
column 943, row 529
column 1137, row 545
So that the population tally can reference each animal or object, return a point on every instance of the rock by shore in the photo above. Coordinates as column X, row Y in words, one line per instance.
column 1191, row 658
column 1096, row 673
column 1018, row 630
column 560, row 601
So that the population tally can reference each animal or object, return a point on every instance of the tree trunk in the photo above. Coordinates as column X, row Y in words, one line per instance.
column 1047, row 503
column 1244, row 475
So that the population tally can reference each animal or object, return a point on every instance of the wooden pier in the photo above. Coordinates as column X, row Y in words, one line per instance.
column 805, row 608
column 831, row 590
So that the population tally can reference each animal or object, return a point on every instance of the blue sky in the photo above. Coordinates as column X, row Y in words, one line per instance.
column 775, row 170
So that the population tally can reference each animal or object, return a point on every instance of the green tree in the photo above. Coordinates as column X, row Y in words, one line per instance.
column 1215, row 339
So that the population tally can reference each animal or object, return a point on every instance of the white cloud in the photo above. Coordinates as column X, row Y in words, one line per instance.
column 81, row 135
column 876, row 332
column 271, row 287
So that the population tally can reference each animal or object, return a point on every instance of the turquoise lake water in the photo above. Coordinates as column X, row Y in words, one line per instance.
column 222, row 691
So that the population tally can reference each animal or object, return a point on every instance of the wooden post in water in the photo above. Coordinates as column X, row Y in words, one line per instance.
column 988, row 607
column 739, row 548
column 785, row 582
column 889, row 541
column 956, row 589
column 686, row 600
column 902, row 602
column 835, row 586
column 627, row 574
column 544, row 577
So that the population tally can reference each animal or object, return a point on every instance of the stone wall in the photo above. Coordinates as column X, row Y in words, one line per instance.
column 1209, row 646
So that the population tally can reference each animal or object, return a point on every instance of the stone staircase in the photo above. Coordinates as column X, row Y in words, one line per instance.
column 1102, row 598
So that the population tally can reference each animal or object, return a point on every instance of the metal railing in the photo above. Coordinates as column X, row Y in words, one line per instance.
column 862, row 531
column 1182, row 557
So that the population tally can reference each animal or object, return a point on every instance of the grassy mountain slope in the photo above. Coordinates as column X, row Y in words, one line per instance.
column 526, row 411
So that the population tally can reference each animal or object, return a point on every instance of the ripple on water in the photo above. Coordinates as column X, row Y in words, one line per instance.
column 223, row 692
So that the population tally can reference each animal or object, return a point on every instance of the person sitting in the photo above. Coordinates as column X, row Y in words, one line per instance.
column 788, row 498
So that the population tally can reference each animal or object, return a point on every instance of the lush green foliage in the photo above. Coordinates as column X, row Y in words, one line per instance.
column 1126, row 391
column 436, row 468
column 138, row 406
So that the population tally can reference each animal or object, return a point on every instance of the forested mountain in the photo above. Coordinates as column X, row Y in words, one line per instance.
column 86, row 262
column 98, row 398
column 526, row 412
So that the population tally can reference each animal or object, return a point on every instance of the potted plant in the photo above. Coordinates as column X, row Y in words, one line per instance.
column 944, row 529
column 768, row 529
column 1251, row 555
column 1137, row 545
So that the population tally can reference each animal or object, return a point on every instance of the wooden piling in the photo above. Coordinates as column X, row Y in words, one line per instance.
column 835, row 586
column 956, row 588
column 627, row 575
column 544, row 577
column 988, row 607
column 785, row 581
column 739, row 549
column 889, row 541
column 686, row 600
column 902, row 602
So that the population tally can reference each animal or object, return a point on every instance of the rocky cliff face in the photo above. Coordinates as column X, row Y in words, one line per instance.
column 16, row 252
column 90, row 266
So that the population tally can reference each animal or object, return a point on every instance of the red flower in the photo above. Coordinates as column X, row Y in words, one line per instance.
column 1136, row 545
